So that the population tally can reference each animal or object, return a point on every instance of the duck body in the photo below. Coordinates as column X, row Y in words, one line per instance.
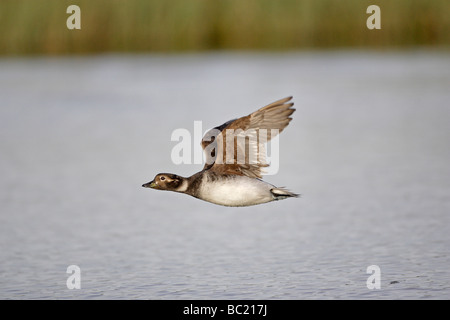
column 232, row 190
column 226, row 190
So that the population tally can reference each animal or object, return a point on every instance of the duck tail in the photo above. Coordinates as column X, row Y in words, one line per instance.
column 281, row 193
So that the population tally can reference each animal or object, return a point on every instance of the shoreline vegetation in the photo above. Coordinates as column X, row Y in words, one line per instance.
column 39, row 26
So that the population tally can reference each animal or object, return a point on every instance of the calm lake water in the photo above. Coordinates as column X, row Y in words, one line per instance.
column 368, row 149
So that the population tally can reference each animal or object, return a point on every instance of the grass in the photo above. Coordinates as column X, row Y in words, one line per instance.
column 39, row 26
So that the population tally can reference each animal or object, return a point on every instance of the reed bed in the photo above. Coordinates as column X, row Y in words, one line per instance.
column 39, row 26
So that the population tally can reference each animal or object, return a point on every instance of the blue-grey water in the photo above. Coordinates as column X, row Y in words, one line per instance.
column 368, row 149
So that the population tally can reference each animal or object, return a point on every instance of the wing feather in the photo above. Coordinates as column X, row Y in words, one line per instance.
column 238, row 146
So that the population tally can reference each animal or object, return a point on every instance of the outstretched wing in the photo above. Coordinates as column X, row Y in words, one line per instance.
column 238, row 146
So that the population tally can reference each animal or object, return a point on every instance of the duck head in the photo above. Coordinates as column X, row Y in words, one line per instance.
column 165, row 181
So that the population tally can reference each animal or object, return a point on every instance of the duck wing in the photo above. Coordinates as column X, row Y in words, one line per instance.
column 238, row 146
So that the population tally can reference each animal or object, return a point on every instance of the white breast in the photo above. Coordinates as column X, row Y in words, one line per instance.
column 237, row 191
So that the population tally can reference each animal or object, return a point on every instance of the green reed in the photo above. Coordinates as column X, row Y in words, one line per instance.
column 39, row 26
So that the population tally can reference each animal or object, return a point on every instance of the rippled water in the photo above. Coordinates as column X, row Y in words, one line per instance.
column 367, row 149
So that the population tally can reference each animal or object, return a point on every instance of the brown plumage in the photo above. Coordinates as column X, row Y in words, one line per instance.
column 272, row 118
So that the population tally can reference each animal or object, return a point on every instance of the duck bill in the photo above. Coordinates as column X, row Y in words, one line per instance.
column 150, row 184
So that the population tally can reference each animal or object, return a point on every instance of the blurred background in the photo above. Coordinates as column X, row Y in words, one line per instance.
column 86, row 117
column 38, row 27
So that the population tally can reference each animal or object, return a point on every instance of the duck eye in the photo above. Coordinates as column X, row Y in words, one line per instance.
column 162, row 178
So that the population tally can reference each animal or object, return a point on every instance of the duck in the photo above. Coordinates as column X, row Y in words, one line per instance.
column 235, row 158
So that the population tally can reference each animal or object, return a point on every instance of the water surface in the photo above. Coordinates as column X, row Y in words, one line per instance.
column 367, row 149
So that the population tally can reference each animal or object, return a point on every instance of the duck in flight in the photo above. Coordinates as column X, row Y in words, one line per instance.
column 235, row 156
